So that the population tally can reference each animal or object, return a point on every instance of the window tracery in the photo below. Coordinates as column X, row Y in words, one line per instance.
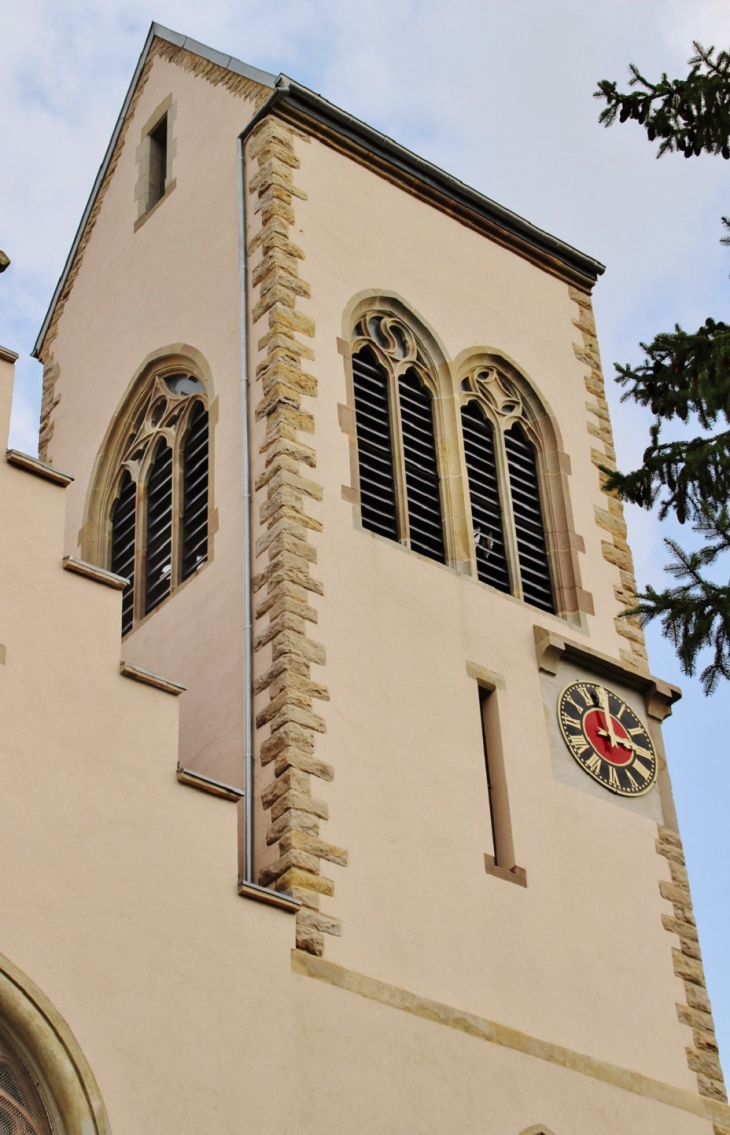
column 158, row 513
column 502, row 454
column 400, row 481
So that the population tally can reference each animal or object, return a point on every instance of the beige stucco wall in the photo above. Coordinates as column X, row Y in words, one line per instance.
column 173, row 983
column 403, row 733
column 119, row 902
column 144, row 301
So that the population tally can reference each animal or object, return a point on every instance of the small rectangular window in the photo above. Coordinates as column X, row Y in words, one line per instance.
column 158, row 162
column 502, row 863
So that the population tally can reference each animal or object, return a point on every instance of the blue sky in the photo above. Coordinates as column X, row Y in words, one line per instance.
column 498, row 92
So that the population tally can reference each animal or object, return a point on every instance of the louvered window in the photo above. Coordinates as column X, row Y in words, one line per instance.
column 158, row 566
column 123, row 544
column 423, row 490
column 504, row 488
column 400, row 491
column 159, row 517
column 195, row 492
column 22, row 1111
column 375, row 452
column 529, row 527
column 486, row 509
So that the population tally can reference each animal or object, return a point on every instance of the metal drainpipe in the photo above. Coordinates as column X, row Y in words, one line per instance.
column 246, row 502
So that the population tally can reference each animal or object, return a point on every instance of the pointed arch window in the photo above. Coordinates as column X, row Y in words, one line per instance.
column 502, row 455
column 159, row 514
column 22, row 1108
column 400, row 482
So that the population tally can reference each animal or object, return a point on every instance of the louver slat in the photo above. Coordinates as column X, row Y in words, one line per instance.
column 195, row 493
column 374, row 447
column 529, row 527
column 159, row 529
column 486, row 510
column 123, row 533
column 422, row 477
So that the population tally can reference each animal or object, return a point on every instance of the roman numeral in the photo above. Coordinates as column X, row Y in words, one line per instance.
column 567, row 720
column 634, row 782
column 613, row 777
column 635, row 732
column 580, row 747
column 642, row 771
column 574, row 703
column 594, row 764
column 620, row 713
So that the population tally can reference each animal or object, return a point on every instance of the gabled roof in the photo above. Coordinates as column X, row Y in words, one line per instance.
column 296, row 103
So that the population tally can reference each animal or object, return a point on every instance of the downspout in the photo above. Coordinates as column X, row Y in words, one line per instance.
column 248, row 874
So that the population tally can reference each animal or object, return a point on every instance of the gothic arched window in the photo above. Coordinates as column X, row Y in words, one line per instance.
column 22, row 1109
column 501, row 449
column 400, row 484
column 159, row 501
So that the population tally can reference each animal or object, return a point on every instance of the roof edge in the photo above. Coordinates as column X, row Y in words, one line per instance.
column 307, row 106
column 156, row 31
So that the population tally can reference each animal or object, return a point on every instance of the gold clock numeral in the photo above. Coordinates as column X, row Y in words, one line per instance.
column 641, row 769
column 634, row 782
column 580, row 747
column 621, row 711
column 637, row 731
column 574, row 703
column 594, row 764
column 613, row 779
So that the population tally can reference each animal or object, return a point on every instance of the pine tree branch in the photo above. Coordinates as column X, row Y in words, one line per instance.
column 683, row 377
column 690, row 115
column 695, row 615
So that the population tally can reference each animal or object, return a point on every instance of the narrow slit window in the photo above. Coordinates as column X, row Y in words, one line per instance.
column 529, row 526
column 158, row 163
column 502, row 862
column 375, row 451
column 124, row 517
column 423, row 487
column 486, row 509
column 195, row 493
column 159, row 529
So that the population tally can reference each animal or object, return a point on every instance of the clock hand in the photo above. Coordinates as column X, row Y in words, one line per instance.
column 627, row 744
column 619, row 740
column 603, row 699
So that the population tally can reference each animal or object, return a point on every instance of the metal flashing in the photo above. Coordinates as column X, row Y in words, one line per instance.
column 304, row 104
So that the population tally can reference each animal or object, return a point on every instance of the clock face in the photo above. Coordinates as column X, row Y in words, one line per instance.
column 607, row 739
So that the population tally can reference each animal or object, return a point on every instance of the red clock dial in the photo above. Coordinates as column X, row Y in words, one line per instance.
column 607, row 739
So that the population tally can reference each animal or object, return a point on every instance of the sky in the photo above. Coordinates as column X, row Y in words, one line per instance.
column 497, row 92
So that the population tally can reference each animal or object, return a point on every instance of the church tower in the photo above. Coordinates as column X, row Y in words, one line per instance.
column 336, row 424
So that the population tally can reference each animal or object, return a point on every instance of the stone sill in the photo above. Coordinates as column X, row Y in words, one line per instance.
column 208, row 784
column 271, row 898
column 40, row 468
column 91, row 571
column 127, row 670
column 510, row 875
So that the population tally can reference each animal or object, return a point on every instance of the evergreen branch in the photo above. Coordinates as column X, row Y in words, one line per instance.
column 695, row 614
column 690, row 115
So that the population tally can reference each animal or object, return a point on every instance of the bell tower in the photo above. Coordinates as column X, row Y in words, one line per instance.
column 337, row 423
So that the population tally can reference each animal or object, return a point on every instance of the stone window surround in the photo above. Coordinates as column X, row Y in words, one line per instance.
column 444, row 378
column 95, row 534
column 46, row 1043
column 145, row 208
